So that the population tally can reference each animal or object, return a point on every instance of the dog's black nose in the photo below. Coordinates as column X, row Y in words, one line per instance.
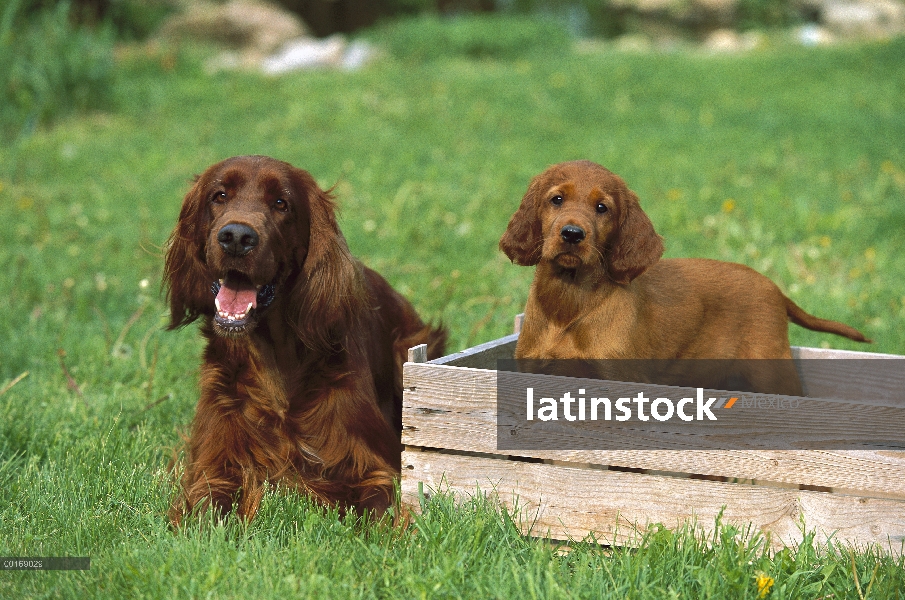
column 237, row 239
column 572, row 234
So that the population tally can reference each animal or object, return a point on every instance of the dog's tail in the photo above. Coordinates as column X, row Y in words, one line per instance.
column 438, row 337
column 435, row 336
column 809, row 321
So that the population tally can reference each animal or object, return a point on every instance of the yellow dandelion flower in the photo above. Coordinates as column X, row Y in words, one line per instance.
column 764, row 583
column 870, row 254
column 674, row 194
column 825, row 241
column 728, row 205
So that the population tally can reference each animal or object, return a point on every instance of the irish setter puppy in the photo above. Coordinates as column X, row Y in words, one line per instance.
column 301, row 380
column 600, row 290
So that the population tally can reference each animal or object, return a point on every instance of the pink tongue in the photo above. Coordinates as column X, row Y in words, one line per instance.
column 236, row 300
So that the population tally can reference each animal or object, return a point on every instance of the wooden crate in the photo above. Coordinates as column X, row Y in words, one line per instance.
column 449, row 434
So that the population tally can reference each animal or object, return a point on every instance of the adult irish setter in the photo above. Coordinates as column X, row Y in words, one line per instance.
column 301, row 380
column 600, row 290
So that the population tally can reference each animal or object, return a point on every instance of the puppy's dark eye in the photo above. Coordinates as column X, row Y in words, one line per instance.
column 601, row 207
column 556, row 200
column 281, row 205
column 219, row 197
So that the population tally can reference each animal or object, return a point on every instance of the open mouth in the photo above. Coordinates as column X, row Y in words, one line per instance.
column 237, row 299
column 568, row 260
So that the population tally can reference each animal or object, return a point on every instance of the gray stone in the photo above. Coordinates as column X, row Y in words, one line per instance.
column 729, row 40
column 863, row 18
column 698, row 13
column 254, row 28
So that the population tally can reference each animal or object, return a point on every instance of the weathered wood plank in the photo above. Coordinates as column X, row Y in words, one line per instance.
column 455, row 408
column 517, row 323
column 818, row 382
column 852, row 375
column 483, row 356
column 804, row 352
column 567, row 503
column 418, row 354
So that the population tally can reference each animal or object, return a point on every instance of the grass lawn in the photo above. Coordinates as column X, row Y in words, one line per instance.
column 792, row 162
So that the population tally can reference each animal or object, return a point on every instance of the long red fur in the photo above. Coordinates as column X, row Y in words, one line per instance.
column 310, row 395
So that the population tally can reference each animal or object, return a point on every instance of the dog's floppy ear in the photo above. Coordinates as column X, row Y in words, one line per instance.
column 185, row 273
column 329, row 293
column 523, row 240
column 634, row 246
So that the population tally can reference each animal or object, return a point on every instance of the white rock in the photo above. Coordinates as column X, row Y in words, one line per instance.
column 814, row 35
column 306, row 53
column 728, row 40
column 358, row 54
column 864, row 18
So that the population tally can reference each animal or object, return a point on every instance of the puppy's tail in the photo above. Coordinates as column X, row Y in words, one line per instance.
column 809, row 321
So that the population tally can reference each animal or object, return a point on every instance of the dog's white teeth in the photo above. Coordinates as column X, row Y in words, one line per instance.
column 221, row 281
column 217, row 304
column 226, row 316
column 248, row 310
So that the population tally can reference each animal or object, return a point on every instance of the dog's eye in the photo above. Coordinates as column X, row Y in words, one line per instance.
column 556, row 200
column 601, row 207
column 219, row 197
column 281, row 204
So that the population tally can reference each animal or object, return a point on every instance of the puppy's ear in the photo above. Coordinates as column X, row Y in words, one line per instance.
column 634, row 246
column 523, row 240
column 329, row 293
column 185, row 273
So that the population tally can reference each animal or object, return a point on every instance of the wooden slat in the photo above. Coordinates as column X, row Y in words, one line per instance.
column 455, row 408
column 418, row 354
column 517, row 323
column 851, row 374
column 567, row 503
column 483, row 356
column 809, row 353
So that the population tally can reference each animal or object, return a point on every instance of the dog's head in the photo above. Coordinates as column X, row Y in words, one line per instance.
column 578, row 215
column 253, row 230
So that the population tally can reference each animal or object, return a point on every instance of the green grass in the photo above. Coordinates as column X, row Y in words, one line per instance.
column 430, row 37
column 49, row 66
column 791, row 162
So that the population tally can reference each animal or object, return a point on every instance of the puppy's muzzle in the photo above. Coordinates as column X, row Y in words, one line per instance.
column 572, row 234
column 237, row 239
